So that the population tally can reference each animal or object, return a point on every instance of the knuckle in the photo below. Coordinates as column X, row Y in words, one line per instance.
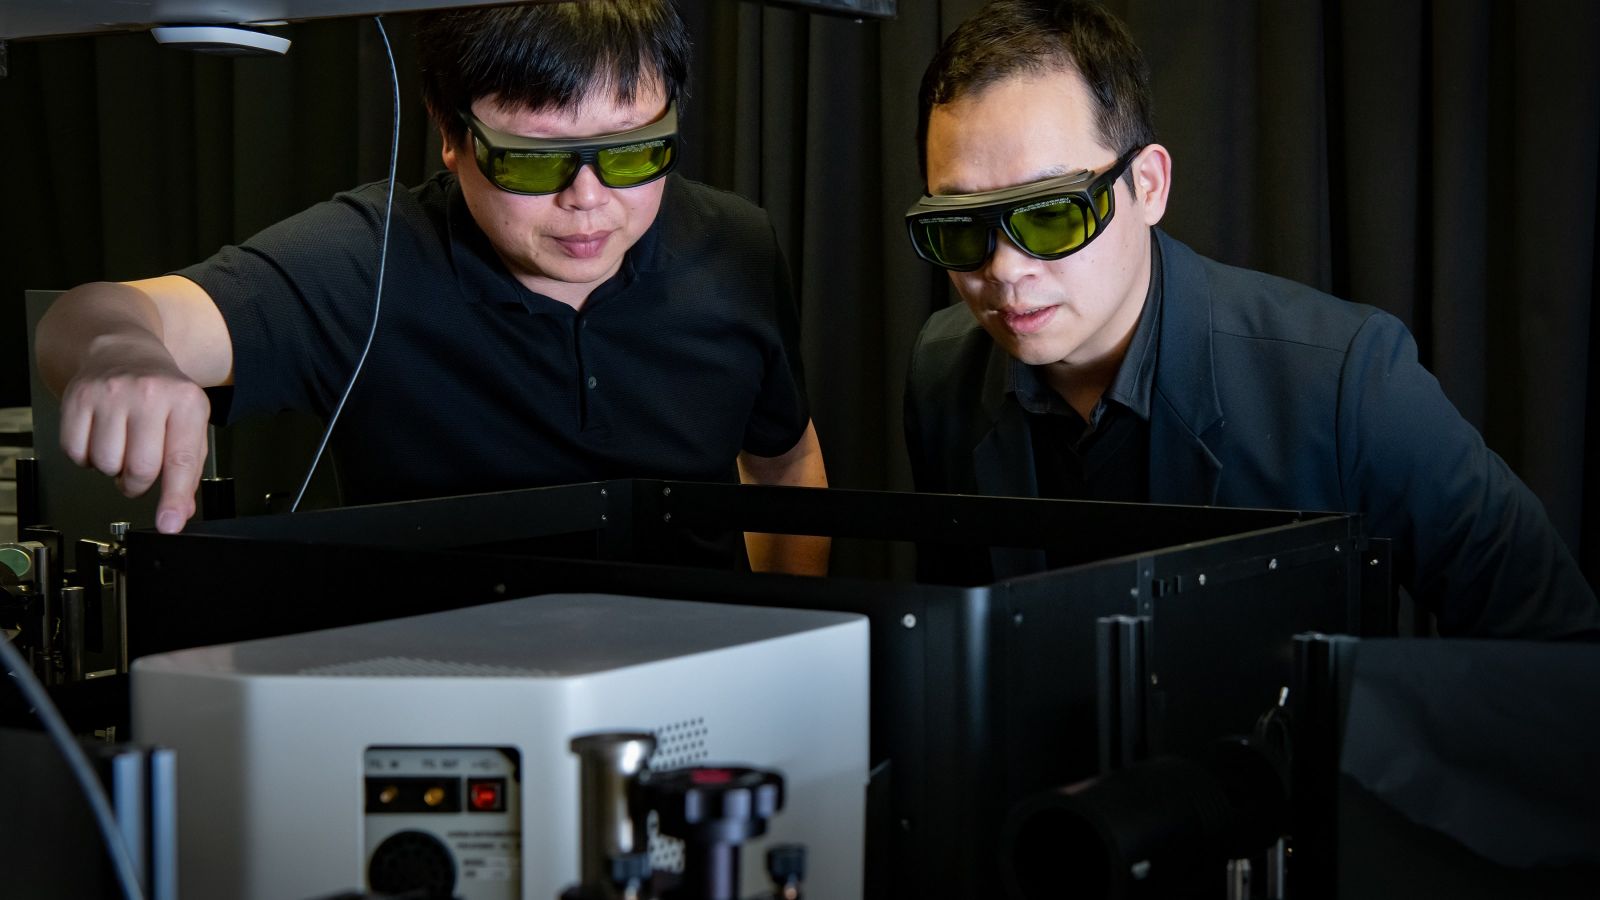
column 182, row 458
column 141, row 471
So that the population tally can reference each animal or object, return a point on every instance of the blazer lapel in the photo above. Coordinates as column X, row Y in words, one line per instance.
column 1186, row 422
column 1002, row 464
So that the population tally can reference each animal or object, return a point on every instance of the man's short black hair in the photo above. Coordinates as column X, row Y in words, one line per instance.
column 1017, row 37
column 549, row 55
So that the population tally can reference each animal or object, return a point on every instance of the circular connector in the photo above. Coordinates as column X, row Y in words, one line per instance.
column 413, row 863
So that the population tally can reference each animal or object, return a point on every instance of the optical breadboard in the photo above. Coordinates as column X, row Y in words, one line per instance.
column 315, row 764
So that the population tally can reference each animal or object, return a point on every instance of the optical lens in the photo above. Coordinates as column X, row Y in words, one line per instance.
column 955, row 242
column 1102, row 201
column 634, row 164
column 533, row 172
column 1052, row 227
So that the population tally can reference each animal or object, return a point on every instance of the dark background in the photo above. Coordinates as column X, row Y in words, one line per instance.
column 1435, row 159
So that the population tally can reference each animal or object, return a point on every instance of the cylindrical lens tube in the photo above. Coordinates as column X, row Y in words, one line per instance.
column 606, row 764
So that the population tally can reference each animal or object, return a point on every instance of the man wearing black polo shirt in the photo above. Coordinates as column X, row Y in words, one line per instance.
column 556, row 307
column 1097, row 358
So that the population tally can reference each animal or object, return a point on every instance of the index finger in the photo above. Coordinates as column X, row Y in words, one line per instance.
column 180, row 468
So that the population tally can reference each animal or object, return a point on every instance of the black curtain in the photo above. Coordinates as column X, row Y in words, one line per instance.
column 1436, row 159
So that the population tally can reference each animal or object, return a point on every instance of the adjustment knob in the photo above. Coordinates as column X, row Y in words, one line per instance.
column 786, row 863
column 712, row 810
column 712, row 804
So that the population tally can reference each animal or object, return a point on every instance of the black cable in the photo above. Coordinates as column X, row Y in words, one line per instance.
column 383, row 258
column 34, row 692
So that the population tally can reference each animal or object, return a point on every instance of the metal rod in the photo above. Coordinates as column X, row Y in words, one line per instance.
column 1121, row 672
column 607, row 763
column 1276, row 870
column 44, row 580
column 73, row 612
column 1238, row 879
column 119, row 581
column 29, row 511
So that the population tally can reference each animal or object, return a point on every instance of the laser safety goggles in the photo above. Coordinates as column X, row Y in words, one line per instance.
column 525, row 165
column 1046, row 219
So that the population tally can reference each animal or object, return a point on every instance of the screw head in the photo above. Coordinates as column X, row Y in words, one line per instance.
column 908, row 620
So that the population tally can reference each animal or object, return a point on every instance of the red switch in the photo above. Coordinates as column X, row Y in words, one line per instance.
column 486, row 794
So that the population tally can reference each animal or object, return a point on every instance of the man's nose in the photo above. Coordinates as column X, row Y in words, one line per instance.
column 585, row 191
column 1008, row 263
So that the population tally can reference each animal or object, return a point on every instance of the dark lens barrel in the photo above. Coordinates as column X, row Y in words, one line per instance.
column 1152, row 830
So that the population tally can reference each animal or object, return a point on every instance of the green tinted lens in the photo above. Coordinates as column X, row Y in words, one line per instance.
column 1102, row 201
column 633, row 164
column 954, row 241
column 532, row 172
column 1052, row 227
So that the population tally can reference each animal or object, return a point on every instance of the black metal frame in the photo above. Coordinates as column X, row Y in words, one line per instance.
column 982, row 692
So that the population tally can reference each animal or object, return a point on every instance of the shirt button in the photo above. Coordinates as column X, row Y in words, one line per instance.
column 593, row 382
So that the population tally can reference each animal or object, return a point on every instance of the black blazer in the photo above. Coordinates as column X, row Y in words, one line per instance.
column 1270, row 394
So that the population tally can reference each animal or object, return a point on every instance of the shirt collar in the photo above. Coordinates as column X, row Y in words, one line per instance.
column 1136, row 377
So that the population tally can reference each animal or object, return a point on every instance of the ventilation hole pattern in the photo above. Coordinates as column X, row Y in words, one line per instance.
column 677, row 745
column 666, row 853
column 680, row 744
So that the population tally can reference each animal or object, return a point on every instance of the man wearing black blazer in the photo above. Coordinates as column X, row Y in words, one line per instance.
column 1098, row 358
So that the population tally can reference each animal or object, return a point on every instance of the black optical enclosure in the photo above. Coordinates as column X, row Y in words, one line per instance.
column 984, row 687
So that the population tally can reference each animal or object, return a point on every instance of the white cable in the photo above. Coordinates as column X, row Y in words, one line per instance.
column 34, row 692
column 383, row 258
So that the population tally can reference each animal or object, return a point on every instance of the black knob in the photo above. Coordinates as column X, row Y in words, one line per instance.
column 630, row 868
column 712, row 810
column 704, row 803
column 786, row 863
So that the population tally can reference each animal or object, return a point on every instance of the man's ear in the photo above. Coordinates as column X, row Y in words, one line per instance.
column 1152, row 181
column 448, row 151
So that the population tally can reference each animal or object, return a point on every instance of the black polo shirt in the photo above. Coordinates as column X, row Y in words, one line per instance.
column 687, row 356
column 1107, row 457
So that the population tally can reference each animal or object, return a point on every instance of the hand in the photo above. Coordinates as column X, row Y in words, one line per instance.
column 130, row 413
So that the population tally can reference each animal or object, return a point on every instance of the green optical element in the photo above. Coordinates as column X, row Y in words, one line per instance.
column 525, row 165
column 1046, row 219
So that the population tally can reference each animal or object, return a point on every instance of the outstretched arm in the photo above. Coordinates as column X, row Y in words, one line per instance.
column 129, row 362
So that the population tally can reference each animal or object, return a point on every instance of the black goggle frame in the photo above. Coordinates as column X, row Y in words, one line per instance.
column 994, row 209
column 586, row 149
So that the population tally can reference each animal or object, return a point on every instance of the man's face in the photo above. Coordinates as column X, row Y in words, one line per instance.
column 1071, row 312
column 562, row 245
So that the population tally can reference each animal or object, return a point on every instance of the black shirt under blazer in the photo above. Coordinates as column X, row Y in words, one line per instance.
column 1270, row 394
